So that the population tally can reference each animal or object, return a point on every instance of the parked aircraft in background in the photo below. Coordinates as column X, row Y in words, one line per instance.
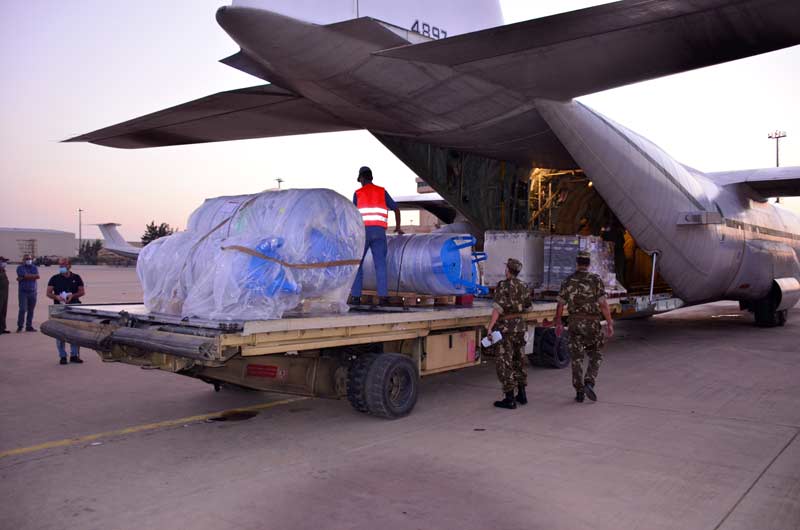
column 467, row 107
column 114, row 242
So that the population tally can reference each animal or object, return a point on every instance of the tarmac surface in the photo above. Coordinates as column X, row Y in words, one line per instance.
column 696, row 427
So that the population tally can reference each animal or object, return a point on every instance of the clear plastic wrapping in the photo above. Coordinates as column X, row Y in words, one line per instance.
column 560, row 253
column 438, row 264
column 257, row 257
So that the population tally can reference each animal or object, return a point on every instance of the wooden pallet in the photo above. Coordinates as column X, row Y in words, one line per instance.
column 406, row 299
column 552, row 295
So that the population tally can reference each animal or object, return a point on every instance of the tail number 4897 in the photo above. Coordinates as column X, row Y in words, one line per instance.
column 423, row 28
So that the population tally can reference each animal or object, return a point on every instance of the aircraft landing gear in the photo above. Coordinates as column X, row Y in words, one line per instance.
column 766, row 314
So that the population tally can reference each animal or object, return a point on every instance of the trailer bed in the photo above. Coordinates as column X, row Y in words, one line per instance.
column 371, row 355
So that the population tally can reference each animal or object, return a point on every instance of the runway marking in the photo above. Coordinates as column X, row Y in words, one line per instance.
column 141, row 428
column 756, row 481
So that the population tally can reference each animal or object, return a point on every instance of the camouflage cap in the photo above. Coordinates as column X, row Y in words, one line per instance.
column 514, row 265
column 582, row 254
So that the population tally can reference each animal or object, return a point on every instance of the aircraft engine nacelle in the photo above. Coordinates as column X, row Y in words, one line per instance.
column 788, row 293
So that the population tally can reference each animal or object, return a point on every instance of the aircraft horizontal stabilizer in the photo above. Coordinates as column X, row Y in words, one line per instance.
column 255, row 112
column 767, row 182
column 581, row 52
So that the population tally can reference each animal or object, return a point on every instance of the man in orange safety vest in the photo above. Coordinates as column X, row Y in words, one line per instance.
column 374, row 204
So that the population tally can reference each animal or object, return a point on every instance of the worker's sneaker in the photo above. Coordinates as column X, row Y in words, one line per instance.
column 589, row 389
column 353, row 300
column 30, row 329
column 522, row 397
column 507, row 402
column 75, row 359
column 579, row 395
column 63, row 360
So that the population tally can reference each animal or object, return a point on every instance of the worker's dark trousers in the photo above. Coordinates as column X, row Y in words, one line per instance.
column 3, row 307
column 375, row 243
column 27, row 303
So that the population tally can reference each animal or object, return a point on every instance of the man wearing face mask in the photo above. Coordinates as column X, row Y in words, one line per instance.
column 66, row 287
column 3, row 295
column 27, row 274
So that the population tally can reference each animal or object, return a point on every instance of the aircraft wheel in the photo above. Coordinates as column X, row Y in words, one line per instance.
column 766, row 316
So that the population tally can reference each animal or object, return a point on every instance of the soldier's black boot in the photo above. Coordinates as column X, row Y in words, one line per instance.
column 522, row 397
column 579, row 396
column 508, row 402
column 589, row 389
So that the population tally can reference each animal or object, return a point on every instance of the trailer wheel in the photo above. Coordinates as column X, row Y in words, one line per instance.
column 357, row 381
column 548, row 350
column 391, row 386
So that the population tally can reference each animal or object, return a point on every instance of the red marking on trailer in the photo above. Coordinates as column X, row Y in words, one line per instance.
column 263, row 370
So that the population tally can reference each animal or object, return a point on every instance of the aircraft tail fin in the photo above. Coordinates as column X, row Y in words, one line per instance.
column 431, row 19
column 111, row 234
column 114, row 241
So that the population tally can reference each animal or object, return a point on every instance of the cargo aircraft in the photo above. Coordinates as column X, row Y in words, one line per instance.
column 470, row 104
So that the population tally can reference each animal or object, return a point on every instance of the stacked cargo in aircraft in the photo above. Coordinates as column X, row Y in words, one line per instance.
column 560, row 253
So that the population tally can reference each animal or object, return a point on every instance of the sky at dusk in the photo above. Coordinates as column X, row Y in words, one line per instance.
column 72, row 67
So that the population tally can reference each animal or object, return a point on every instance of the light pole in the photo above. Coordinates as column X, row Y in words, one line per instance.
column 777, row 135
column 80, row 231
column 279, row 180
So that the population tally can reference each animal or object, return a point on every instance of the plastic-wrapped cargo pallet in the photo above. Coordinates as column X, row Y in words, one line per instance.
column 436, row 264
column 526, row 246
column 257, row 257
column 560, row 253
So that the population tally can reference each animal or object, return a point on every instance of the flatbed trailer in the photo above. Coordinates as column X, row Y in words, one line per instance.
column 373, row 356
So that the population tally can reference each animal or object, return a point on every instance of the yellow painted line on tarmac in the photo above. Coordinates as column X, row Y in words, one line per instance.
column 141, row 428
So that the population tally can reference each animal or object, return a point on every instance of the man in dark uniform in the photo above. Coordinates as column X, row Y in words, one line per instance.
column 584, row 295
column 3, row 295
column 511, row 298
column 66, row 287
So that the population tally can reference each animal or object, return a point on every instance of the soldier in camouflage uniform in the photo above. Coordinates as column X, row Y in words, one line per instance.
column 584, row 295
column 511, row 298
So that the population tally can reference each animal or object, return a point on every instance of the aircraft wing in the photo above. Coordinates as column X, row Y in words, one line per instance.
column 255, row 112
column 768, row 182
column 431, row 202
column 581, row 52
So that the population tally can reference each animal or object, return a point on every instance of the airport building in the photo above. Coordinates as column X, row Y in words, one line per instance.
column 16, row 242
